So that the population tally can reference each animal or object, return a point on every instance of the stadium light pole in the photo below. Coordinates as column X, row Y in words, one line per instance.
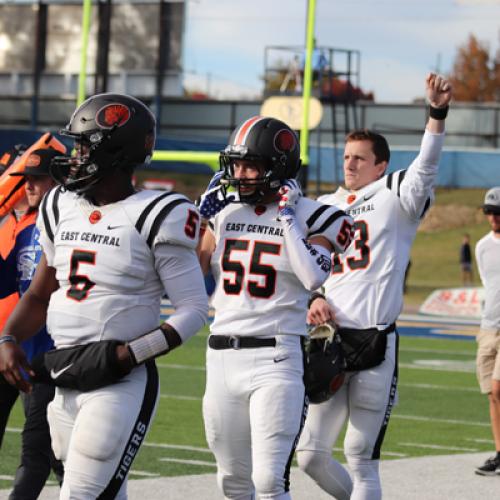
column 306, row 95
column 82, row 77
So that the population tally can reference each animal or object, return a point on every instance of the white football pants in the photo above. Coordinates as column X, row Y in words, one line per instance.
column 366, row 398
column 98, row 433
column 254, row 408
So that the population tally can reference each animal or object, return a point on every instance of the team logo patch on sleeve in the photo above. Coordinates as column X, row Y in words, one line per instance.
column 113, row 115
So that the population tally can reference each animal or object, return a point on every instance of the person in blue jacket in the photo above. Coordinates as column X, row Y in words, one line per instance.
column 16, row 271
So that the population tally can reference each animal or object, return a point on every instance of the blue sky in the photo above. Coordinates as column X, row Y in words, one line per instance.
column 400, row 40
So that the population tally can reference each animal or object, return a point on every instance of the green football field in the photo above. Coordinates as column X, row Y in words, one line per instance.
column 440, row 411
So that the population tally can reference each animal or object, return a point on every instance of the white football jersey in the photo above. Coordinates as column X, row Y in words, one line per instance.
column 104, row 261
column 488, row 263
column 365, row 287
column 257, row 292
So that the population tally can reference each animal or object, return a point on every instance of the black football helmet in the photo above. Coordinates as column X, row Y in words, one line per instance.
column 111, row 131
column 268, row 141
column 324, row 366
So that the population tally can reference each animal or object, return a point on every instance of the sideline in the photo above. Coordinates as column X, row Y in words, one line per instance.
column 443, row 477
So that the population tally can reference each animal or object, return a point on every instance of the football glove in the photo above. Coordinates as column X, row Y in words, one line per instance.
column 289, row 193
column 214, row 199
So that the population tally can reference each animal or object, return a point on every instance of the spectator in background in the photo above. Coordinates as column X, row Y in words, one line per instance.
column 10, row 226
column 488, row 338
column 294, row 73
column 16, row 270
column 466, row 261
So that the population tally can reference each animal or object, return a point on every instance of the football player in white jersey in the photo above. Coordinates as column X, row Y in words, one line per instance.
column 488, row 337
column 110, row 254
column 267, row 247
column 364, row 296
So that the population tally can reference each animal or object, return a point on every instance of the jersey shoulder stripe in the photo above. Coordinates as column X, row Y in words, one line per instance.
column 144, row 214
column 156, row 212
column 328, row 220
column 426, row 207
column 394, row 180
column 55, row 204
column 393, row 183
column 316, row 214
column 161, row 217
column 50, row 211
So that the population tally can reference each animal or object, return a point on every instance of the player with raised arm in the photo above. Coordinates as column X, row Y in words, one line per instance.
column 110, row 253
column 364, row 297
column 267, row 247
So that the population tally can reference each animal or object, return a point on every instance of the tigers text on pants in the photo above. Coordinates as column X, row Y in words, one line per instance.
column 97, row 434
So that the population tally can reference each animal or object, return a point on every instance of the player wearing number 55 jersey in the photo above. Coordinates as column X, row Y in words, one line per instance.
column 364, row 296
column 110, row 253
column 267, row 247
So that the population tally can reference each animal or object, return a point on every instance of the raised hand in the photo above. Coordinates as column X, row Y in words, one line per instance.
column 289, row 193
column 438, row 90
column 213, row 200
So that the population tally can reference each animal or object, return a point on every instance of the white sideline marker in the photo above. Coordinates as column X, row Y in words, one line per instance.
column 438, row 447
column 477, row 440
column 143, row 473
column 181, row 367
column 441, row 387
column 188, row 462
column 177, row 447
column 183, row 398
column 441, row 420
column 452, row 369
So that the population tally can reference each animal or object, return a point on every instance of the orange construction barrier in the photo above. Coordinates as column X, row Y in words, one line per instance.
column 11, row 187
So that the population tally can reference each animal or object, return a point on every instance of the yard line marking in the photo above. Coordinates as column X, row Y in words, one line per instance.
column 441, row 387
column 441, row 420
column 143, row 473
column 387, row 453
column 6, row 478
column 14, row 429
column 393, row 454
column 177, row 447
column 436, row 351
column 438, row 447
column 455, row 369
column 188, row 462
column 486, row 441
column 437, row 319
column 183, row 398
column 181, row 367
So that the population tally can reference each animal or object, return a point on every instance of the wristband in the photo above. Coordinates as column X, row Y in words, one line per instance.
column 8, row 338
column 148, row 346
column 438, row 113
column 313, row 297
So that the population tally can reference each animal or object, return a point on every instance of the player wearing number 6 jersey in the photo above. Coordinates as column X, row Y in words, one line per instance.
column 267, row 247
column 110, row 253
column 364, row 296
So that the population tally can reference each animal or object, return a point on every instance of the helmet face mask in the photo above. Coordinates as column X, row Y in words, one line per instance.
column 267, row 142
column 111, row 132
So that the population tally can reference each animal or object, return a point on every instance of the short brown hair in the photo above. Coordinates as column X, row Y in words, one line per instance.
column 379, row 143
